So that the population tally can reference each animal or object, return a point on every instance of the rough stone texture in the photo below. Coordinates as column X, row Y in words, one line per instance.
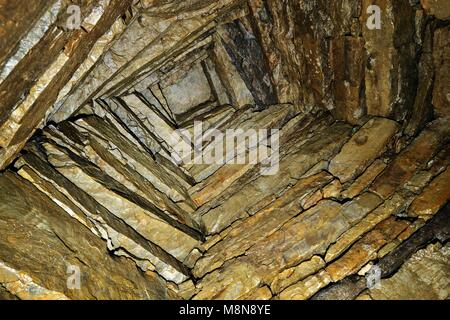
column 259, row 226
column 365, row 249
column 333, row 190
column 17, row 20
column 365, row 145
column 237, row 90
column 106, row 225
column 291, row 167
column 306, row 288
column 364, row 180
column 215, row 184
column 124, row 63
column 291, row 244
column 31, row 113
column 347, row 54
column 390, row 207
column 293, row 36
column 189, row 92
column 441, row 58
column 390, row 69
column 422, row 110
column 433, row 198
column 296, row 274
column 262, row 293
column 414, row 157
column 439, row 8
column 138, row 217
column 247, row 56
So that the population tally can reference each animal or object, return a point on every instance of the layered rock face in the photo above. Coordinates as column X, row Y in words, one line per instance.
column 232, row 149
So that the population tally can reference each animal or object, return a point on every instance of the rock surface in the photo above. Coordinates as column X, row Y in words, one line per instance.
column 423, row 277
column 364, row 146
column 103, row 165
column 38, row 235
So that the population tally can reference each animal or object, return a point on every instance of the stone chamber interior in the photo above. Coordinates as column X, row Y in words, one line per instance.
column 94, row 206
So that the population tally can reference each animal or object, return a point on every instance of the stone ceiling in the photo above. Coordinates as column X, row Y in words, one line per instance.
column 262, row 52
column 88, row 112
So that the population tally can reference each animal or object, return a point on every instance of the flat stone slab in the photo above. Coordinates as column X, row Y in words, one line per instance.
column 39, row 241
column 412, row 159
column 363, row 148
column 259, row 226
column 422, row 277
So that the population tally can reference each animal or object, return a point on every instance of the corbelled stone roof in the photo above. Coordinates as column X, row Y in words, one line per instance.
column 110, row 112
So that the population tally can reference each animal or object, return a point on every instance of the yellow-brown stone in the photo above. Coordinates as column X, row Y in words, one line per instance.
column 365, row 145
column 433, row 198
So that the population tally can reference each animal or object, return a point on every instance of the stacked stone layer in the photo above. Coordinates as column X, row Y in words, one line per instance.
column 88, row 169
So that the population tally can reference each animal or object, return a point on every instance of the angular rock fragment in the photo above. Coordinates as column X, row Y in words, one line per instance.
column 365, row 249
column 291, row 167
column 433, row 198
column 333, row 190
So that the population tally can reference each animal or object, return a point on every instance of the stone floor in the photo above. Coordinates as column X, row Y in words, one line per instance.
column 347, row 199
